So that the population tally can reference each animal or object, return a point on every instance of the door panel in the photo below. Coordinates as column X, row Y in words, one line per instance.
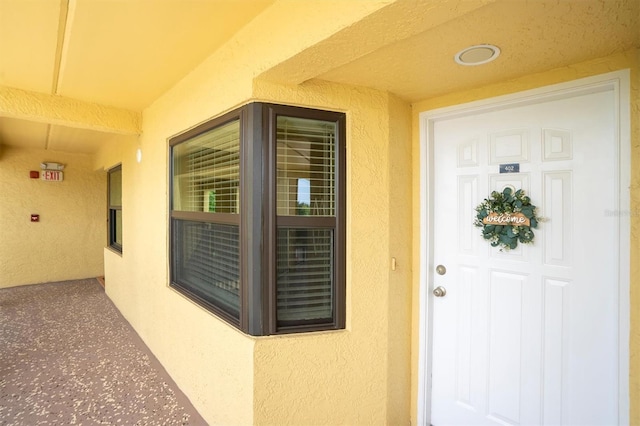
column 528, row 336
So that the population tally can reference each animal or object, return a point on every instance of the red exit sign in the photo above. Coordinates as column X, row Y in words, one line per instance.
column 51, row 175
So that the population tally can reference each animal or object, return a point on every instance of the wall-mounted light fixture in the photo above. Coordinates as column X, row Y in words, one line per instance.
column 51, row 166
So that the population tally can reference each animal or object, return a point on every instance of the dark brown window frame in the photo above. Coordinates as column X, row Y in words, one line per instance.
column 274, row 221
column 112, row 211
column 258, row 219
column 201, row 217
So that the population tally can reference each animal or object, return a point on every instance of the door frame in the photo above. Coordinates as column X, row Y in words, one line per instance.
column 619, row 83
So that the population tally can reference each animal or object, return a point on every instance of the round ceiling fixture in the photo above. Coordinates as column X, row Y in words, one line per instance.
column 477, row 55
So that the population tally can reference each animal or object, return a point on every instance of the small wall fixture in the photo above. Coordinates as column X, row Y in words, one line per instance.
column 477, row 55
column 51, row 166
column 139, row 155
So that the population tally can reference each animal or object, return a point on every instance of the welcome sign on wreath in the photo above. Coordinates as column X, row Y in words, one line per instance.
column 506, row 218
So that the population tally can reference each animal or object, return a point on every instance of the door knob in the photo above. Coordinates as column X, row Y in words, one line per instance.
column 441, row 270
column 439, row 291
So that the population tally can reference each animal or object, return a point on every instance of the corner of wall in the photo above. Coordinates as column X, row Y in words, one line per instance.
column 359, row 363
column 400, row 262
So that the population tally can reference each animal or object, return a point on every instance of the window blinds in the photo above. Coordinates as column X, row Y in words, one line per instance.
column 306, row 150
column 277, row 265
column 206, row 171
column 305, row 275
column 206, row 253
column 208, row 262
column 306, row 169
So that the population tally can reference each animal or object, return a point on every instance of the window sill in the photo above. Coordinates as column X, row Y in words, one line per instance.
column 113, row 250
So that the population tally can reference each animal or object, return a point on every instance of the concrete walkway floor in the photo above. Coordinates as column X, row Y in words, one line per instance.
column 67, row 357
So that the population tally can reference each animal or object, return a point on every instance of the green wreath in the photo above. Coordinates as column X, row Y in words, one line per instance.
column 506, row 218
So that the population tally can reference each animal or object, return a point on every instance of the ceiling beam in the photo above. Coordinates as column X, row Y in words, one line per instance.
column 42, row 108
column 61, row 44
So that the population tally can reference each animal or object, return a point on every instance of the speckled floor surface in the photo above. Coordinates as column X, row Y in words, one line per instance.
column 67, row 357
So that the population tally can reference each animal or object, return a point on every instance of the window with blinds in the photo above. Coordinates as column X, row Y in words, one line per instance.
column 306, row 167
column 206, row 225
column 305, row 275
column 258, row 215
column 306, row 170
column 206, row 171
column 207, row 263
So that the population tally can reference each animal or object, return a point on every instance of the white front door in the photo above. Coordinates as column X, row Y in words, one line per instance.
column 531, row 335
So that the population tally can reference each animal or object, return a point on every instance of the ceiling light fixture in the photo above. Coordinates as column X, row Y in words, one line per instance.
column 477, row 55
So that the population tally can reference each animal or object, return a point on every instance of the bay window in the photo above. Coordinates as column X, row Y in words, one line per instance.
column 257, row 218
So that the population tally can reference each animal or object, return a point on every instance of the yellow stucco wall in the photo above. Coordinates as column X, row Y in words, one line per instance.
column 365, row 374
column 67, row 242
column 628, row 60
column 209, row 360
column 303, row 378
column 360, row 375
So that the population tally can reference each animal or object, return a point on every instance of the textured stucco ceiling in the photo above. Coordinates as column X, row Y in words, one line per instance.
column 408, row 48
column 533, row 36
column 109, row 59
